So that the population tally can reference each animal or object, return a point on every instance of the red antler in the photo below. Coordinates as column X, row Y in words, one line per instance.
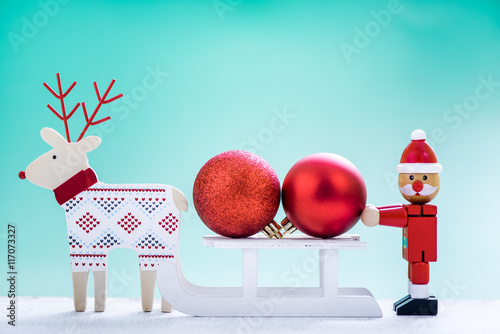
column 61, row 97
column 102, row 100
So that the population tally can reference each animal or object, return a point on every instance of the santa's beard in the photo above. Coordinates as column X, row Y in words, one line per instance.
column 427, row 190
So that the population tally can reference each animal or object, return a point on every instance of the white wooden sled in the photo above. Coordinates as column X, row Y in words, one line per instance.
column 327, row 300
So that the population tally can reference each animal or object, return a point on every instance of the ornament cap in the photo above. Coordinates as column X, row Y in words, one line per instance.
column 272, row 230
column 287, row 226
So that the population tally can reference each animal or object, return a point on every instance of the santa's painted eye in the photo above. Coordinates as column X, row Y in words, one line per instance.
column 411, row 177
column 54, row 157
column 424, row 177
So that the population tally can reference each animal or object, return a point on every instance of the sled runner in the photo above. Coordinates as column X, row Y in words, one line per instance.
column 327, row 300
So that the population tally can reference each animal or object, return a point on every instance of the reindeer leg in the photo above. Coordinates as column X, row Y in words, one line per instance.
column 99, row 290
column 165, row 306
column 80, row 280
column 148, row 279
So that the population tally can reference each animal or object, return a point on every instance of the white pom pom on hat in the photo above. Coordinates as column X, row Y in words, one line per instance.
column 418, row 135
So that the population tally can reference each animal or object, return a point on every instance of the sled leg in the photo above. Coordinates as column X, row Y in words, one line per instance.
column 250, row 269
column 80, row 280
column 328, row 271
column 148, row 279
column 99, row 290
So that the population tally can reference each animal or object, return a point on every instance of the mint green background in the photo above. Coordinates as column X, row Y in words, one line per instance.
column 226, row 77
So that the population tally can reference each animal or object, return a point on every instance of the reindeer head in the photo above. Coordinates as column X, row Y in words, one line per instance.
column 64, row 160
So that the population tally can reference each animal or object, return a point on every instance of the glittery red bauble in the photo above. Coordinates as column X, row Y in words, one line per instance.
column 236, row 194
column 324, row 195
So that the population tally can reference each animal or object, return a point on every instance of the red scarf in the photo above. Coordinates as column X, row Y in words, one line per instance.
column 79, row 182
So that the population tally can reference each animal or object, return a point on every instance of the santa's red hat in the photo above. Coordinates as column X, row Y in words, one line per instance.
column 418, row 156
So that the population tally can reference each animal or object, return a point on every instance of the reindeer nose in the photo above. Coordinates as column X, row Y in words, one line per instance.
column 417, row 186
column 22, row 175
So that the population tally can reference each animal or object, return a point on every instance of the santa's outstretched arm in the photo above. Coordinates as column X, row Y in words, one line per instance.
column 390, row 215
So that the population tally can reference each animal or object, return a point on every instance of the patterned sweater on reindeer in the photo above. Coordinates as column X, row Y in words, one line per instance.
column 137, row 216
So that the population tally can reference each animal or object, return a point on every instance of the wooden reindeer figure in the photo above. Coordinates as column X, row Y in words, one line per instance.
column 101, row 217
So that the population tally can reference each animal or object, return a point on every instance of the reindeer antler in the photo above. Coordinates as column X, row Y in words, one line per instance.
column 61, row 97
column 102, row 100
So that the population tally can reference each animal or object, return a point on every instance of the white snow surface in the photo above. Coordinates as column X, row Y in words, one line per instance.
column 56, row 315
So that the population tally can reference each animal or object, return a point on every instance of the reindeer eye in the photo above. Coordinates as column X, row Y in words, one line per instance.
column 424, row 177
column 411, row 177
column 54, row 157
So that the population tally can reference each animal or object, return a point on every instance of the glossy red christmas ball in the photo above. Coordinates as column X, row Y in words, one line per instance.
column 236, row 194
column 324, row 195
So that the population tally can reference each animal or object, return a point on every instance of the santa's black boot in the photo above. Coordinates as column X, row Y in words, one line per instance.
column 418, row 303
column 401, row 301
column 417, row 306
column 405, row 298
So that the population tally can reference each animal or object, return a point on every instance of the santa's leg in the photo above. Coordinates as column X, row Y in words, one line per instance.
column 419, row 277
column 420, row 301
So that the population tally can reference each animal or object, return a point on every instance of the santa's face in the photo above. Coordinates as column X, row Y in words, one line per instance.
column 419, row 188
